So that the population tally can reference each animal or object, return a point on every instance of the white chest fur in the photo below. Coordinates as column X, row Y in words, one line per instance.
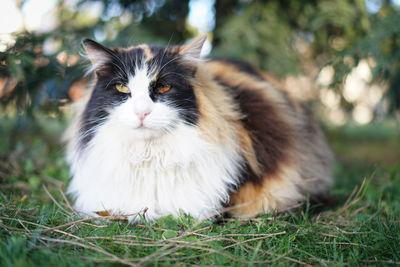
column 179, row 171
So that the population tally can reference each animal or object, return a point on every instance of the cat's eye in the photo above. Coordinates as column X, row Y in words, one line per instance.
column 164, row 89
column 122, row 88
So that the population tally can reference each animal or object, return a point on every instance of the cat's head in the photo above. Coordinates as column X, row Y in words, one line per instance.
column 145, row 90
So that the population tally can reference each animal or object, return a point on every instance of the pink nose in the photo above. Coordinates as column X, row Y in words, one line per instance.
column 142, row 115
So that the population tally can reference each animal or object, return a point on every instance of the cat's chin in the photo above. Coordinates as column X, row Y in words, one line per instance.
column 146, row 133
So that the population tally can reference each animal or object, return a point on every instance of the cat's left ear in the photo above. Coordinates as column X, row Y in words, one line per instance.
column 193, row 48
column 96, row 53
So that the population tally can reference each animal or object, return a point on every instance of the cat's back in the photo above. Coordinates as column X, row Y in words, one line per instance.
column 292, row 156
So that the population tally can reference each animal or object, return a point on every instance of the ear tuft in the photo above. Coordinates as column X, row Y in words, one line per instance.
column 193, row 48
column 96, row 53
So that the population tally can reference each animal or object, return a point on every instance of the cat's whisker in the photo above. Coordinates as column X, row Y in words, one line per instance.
column 165, row 51
column 172, row 73
column 170, row 61
column 118, row 59
column 121, row 70
column 113, row 79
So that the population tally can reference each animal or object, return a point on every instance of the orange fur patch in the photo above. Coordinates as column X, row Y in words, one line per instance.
column 147, row 51
column 218, row 113
column 276, row 193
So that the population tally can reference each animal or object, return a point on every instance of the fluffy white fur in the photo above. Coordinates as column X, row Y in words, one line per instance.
column 160, row 164
column 178, row 171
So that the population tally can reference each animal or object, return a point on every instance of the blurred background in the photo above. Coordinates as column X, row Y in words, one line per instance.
column 342, row 56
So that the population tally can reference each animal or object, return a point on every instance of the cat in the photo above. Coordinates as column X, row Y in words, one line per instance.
column 164, row 132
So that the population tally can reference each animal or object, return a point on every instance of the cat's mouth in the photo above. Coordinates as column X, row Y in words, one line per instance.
column 145, row 128
column 142, row 127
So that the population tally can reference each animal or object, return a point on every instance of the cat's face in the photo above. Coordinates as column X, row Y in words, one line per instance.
column 146, row 90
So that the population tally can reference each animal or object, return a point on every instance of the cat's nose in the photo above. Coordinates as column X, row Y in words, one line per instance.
column 142, row 115
column 143, row 106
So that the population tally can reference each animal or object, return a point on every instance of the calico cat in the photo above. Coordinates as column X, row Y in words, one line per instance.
column 165, row 132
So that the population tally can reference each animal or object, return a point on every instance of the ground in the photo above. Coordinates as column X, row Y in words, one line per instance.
column 38, row 227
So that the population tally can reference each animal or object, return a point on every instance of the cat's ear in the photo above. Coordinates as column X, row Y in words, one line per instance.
column 96, row 53
column 193, row 48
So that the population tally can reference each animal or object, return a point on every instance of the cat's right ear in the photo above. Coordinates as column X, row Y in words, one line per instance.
column 96, row 53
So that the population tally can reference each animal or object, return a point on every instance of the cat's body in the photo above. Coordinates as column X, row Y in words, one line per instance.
column 189, row 135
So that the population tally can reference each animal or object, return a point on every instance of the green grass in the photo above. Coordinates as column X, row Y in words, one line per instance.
column 38, row 227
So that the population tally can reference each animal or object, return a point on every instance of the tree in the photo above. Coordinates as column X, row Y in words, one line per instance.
column 285, row 36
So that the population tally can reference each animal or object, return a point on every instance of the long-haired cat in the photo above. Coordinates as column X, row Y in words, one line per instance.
column 165, row 132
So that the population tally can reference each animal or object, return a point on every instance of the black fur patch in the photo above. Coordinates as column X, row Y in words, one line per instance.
column 270, row 136
column 174, row 72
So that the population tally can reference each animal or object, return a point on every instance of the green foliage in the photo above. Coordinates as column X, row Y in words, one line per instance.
column 265, row 43
column 382, row 44
column 286, row 37
column 33, row 79
column 269, row 32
